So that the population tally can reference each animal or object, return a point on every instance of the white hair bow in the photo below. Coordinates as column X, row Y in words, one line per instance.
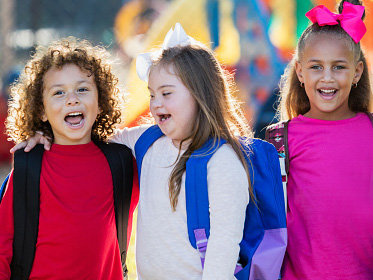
column 175, row 37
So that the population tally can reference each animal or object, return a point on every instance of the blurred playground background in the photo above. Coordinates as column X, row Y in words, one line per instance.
column 254, row 39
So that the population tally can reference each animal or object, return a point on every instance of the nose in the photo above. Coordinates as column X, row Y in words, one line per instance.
column 328, row 76
column 72, row 98
column 156, row 102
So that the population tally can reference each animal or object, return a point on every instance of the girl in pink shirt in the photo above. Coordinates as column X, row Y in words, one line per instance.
column 327, row 96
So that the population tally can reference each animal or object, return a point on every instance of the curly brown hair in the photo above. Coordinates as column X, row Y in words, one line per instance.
column 26, row 103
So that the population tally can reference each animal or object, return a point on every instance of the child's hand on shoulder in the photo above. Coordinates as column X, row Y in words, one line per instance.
column 30, row 143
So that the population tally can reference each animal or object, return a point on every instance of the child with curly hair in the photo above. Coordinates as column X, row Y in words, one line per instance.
column 69, row 93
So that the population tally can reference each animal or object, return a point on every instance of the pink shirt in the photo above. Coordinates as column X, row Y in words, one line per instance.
column 77, row 236
column 330, row 199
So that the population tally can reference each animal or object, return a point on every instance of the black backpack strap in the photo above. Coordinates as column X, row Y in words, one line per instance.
column 286, row 145
column 26, row 199
column 120, row 160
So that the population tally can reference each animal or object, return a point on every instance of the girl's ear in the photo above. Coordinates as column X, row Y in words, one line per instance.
column 44, row 117
column 298, row 70
column 358, row 71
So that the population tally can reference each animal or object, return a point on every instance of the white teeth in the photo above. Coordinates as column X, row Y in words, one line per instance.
column 164, row 118
column 74, row 114
column 327, row 90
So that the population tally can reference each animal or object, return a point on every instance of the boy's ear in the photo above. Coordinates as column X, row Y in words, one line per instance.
column 358, row 71
column 298, row 70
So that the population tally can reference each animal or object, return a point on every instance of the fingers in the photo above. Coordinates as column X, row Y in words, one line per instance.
column 30, row 143
column 18, row 147
column 34, row 140
column 45, row 142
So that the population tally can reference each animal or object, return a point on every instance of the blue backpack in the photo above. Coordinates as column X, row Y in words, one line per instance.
column 3, row 186
column 265, row 235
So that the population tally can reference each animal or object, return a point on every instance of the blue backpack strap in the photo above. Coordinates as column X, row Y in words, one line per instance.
column 196, row 196
column 265, row 236
column 3, row 187
column 146, row 139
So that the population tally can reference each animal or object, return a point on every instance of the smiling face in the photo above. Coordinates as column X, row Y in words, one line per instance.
column 70, row 100
column 328, row 69
column 171, row 104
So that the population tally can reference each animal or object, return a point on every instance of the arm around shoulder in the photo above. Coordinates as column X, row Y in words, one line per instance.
column 128, row 136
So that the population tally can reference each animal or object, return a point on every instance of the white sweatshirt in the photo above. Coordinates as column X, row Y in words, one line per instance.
column 163, row 250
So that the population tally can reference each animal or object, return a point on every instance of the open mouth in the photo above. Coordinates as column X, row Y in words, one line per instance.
column 164, row 117
column 327, row 93
column 74, row 119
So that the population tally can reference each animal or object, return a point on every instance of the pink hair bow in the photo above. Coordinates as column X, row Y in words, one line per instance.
column 350, row 19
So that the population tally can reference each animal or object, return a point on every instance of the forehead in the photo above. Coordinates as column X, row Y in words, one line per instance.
column 163, row 69
column 163, row 73
column 69, row 73
column 327, row 47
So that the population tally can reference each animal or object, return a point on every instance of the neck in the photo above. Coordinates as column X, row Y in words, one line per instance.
column 331, row 117
column 184, row 145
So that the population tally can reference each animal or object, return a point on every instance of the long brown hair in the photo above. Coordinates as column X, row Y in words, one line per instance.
column 26, row 105
column 219, row 114
column 293, row 97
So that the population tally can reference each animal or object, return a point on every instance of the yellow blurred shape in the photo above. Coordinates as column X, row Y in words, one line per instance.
column 124, row 19
column 193, row 17
column 282, row 30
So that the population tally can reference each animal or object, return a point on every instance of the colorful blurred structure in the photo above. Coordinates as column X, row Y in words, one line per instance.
column 253, row 38
column 23, row 24
column 9, row 78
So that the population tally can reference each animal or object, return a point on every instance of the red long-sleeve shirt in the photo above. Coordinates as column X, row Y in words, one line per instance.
column 77, row 236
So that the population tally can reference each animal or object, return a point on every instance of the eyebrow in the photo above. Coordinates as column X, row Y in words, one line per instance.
column 78, row 83
column 163, row 86
column 334, row 61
